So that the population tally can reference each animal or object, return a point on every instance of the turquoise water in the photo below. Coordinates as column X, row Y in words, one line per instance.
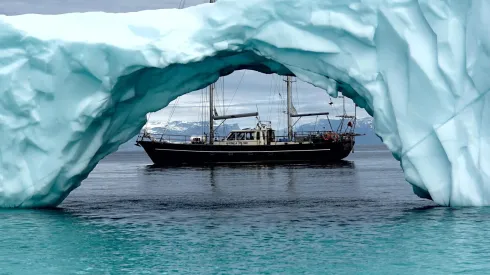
column 358, row 217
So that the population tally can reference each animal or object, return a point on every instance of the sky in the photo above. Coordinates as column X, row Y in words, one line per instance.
column 244, row 91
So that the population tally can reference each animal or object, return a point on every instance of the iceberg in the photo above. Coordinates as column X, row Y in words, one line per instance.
column 75, row 86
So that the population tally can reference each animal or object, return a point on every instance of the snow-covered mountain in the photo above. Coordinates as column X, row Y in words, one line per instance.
column 363, row 126
column 185, row 128
column 179, row 128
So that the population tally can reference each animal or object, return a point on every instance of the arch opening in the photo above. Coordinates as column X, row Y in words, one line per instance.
column 150, row 89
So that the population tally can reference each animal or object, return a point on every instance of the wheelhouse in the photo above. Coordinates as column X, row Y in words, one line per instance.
column 263, row 134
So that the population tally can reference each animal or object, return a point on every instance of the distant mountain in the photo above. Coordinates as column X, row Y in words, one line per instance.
column 178, row 128
column 184, row 128
column 187, row 128
column 363, row 126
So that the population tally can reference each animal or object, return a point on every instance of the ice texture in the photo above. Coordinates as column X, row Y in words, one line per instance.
column 73, row 87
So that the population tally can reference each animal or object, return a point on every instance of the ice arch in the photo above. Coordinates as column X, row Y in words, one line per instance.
column 75, row 86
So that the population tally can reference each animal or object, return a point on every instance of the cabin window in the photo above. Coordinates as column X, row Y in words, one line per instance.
column 231, row 136
column 240, row 136
column 258, row 135
column 271, row 135
column 250, row 136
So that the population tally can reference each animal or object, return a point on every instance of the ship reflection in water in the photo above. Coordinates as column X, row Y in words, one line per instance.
column 334, row 164
column 239, row 185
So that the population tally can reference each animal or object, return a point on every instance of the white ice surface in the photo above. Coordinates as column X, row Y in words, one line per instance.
column 73, row 87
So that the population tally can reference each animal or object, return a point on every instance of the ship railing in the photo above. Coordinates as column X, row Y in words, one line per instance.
column 311, row 136
column 301, row 136
column 178, row 139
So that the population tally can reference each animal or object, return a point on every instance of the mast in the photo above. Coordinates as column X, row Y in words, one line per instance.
column 211, row 113
column 211, row 106
column 289, row 100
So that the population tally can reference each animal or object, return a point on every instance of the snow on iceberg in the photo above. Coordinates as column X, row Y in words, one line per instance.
column 75, row 86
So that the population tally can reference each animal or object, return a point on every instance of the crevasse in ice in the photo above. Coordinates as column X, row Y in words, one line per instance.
column 75, row 86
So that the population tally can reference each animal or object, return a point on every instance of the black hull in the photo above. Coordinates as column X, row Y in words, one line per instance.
column 168, row 154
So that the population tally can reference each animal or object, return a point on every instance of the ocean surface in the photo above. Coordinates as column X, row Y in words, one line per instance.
column 355, row 217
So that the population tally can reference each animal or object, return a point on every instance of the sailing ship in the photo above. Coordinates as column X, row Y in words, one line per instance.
column 253, row 145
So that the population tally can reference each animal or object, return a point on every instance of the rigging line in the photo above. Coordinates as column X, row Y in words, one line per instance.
column 223, row 106
column 333, row 106
column 284, row 102
column 329, row 123
column 280, row 105
column 223, row 92
column 285, row 111
column 171, row 114
column 296, row 88
column 316, row 122
column 273, row 96
column 203, row 110
column 200, row 113
column 148, row 115
column 277, row 89
column 297, row 98
column 200, row 105
column 270, row 101
column 341, row 123
column 244, row 71
column 216, row 93
column 343, row 104
column 278, row 111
